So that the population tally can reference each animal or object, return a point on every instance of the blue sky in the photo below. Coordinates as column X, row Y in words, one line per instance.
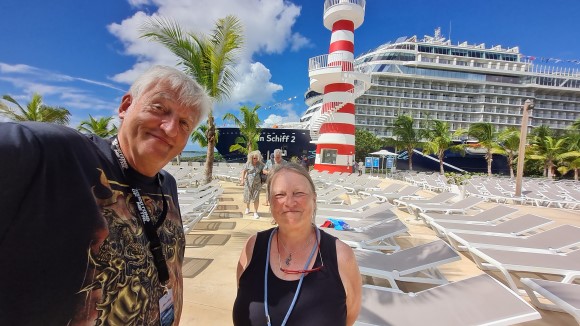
column 83, row 55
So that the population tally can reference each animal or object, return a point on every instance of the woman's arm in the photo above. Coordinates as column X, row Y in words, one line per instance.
column 243, row 178
column 351, row 280
column 245, row 257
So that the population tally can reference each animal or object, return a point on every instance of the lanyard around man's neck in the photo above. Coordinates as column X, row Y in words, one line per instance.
column 149, row 227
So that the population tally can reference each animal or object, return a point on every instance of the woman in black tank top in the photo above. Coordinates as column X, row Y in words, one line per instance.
column 295, row 274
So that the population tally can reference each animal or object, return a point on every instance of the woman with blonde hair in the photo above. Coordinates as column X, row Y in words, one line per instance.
column 295, row 273
column 252, row 181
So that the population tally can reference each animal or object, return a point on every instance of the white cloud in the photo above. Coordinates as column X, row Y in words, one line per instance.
column 285, row 113
column 56, row 89
column 251, row 75
column 267, row 29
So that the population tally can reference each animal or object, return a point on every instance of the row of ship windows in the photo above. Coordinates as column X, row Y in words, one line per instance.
column 477, row 101
column 444, row 97
column 384, row 130
column 488, row 90
column 443, row 51
column 450, row 88
column 468, row 53
column 437, row 73
column 449, row 113
column 444, row 117
column 485, row 65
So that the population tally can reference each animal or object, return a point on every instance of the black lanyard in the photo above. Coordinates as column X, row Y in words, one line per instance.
column 149, row 227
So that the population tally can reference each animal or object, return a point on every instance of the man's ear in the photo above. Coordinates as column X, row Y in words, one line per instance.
column 125, row 104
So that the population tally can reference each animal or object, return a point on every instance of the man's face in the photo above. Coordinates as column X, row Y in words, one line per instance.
column 277, row 158
column 155, row 128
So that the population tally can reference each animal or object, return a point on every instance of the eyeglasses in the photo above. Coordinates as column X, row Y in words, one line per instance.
column 303, row 271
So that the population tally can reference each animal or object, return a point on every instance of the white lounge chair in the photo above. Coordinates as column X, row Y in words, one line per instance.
column 505, row 261
column 332, row 197
column 564, row 296
column 437, row 199
column 358, row 206
column 363, row 223
column 378, row 237
column 478, row 300
column 405, row 193
column 492, row 215
column 556, row 240
column 390, row 189
column 417, row 264
column 461, row 206
column 380, row 208
column 516, row 226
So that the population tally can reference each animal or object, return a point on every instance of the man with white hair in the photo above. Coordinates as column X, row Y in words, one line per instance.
column 91, row 232
column 278, row 160
column 275, row 161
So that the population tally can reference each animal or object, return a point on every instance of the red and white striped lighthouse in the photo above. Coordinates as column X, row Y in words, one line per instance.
column 334, row 76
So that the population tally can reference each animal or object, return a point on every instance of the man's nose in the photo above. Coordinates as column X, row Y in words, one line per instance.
column 170, row 126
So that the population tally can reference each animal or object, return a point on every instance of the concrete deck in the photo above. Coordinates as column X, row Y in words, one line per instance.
column 214, row 246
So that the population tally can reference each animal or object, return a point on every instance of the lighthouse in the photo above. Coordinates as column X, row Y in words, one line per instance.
column 335, row 76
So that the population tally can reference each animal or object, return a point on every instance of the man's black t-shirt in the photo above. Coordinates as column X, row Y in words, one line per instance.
column 72, row 248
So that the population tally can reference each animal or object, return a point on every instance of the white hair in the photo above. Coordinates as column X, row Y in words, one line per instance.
column 190, row 93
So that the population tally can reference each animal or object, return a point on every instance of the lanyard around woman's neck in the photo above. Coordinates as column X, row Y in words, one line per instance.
column 266, row 310
column 148, row 225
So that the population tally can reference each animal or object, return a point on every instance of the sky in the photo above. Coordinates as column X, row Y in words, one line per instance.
column 83, row 55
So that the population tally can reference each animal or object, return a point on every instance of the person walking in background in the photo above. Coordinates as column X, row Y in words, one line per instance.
column 295, row 273
column 252, row 181
column 91, row 231
column 276, row 159
column 361, row 167
column 304, row 162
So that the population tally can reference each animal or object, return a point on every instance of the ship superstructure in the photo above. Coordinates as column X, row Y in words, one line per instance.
column 431, row 78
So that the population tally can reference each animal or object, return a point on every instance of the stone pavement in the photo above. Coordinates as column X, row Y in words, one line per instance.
column 214, row 246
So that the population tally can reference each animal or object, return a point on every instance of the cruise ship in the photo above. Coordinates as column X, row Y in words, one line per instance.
column 431, row 78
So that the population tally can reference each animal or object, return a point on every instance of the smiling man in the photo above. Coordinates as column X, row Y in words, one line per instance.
column 90, row 231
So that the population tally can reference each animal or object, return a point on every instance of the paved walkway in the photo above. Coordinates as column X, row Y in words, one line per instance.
column 214, row 246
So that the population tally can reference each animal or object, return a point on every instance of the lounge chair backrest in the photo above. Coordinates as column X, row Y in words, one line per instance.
column 497, row 211
column 441, row 197
column 558, row 235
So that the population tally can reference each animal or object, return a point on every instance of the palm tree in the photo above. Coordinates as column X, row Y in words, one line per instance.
column 407, row 136
column 508, row 145
column 571, row 159
column 99, row 127
column 537, row 141
column 571, row 163
column 35, row 111
column 550, row 151
column 199, row 136
column 439, row 139
column 487, row 137
column 249, row 129
column 209, row 59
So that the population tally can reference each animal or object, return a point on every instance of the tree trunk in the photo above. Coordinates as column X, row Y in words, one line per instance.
column 550, row 171
column 510, row 164
column 210, row 135
column 576, row 174
column 410, row 152
column 441, row 169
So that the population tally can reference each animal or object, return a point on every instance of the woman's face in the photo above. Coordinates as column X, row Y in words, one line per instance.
column 254, row 160
column 292, row 201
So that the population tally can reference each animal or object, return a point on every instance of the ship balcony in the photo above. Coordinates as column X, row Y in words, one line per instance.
column 335, row 10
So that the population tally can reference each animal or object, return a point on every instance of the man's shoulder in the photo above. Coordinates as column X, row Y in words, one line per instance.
column 48, row 134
